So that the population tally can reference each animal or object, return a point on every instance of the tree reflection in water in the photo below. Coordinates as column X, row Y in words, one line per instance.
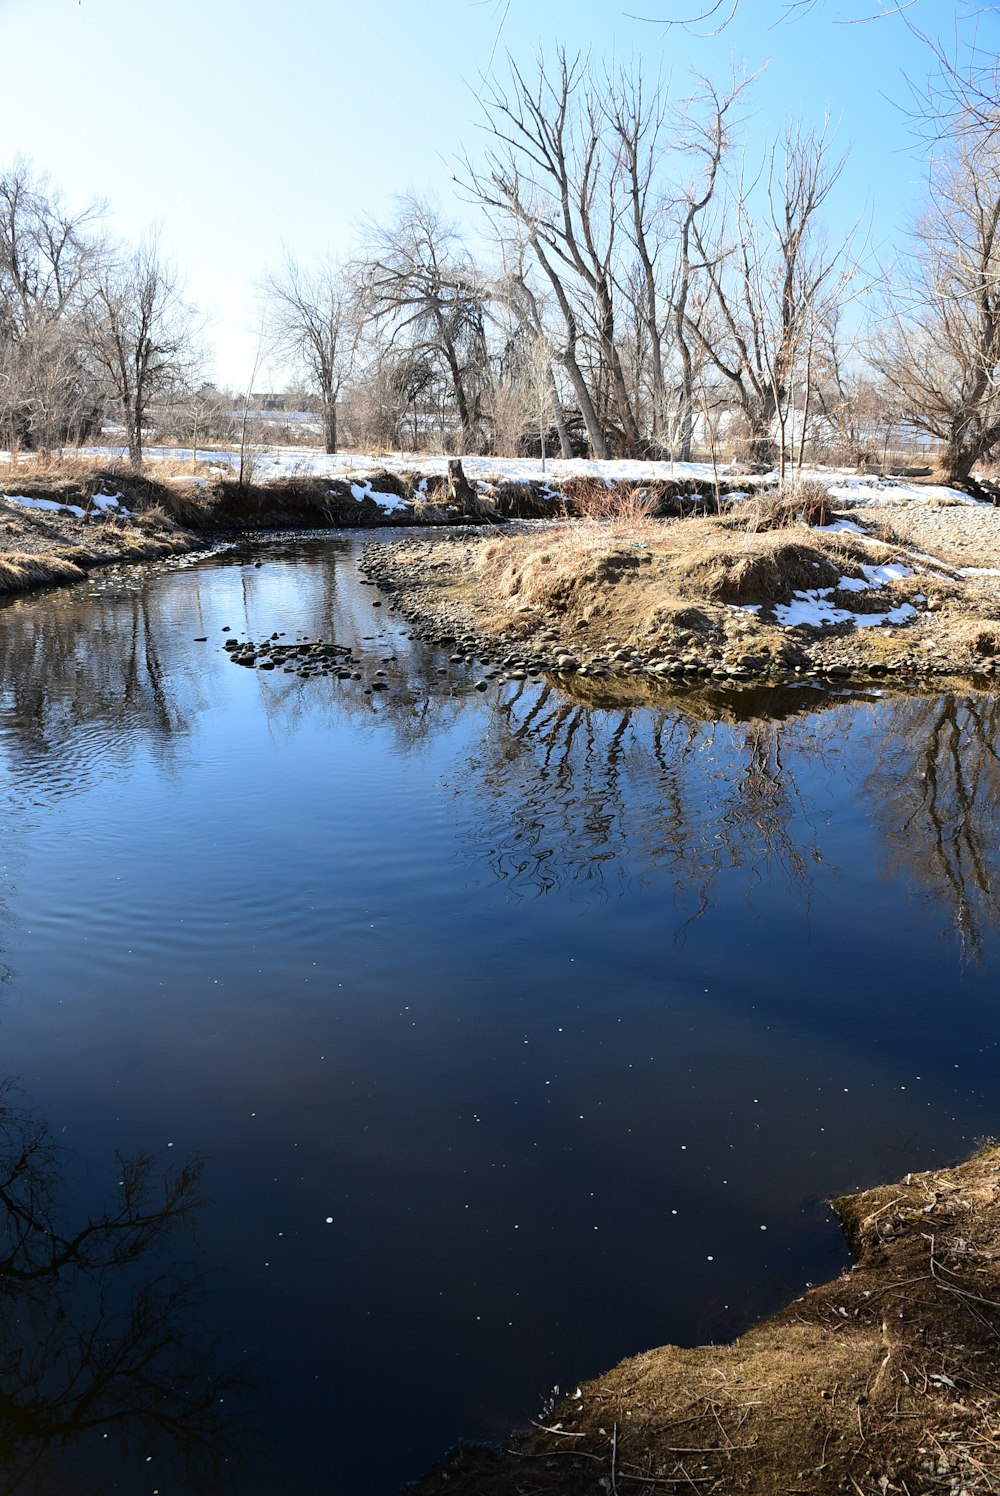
column 935, row 791
column 584, row 793
column 101, row 1339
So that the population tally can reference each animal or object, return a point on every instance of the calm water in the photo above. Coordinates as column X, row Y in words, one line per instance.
column 515, row 1035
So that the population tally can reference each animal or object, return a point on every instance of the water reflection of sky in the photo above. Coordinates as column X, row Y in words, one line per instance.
column 568, row 1015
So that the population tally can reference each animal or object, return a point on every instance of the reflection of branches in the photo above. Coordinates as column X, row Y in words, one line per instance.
column 96, row 1323
column 937, row 792
column 578, row 794
column 80, row 678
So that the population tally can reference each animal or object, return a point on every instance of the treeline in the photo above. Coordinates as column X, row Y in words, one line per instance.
column 649, row 292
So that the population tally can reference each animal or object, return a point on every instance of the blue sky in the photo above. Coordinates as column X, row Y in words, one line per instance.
column 242, row 127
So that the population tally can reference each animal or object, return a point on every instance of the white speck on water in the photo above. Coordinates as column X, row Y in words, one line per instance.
column 329, row 1220
column 709, row 1259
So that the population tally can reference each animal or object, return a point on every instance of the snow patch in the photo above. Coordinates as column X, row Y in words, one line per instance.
column 104, row 503
column 840, row 525
column 389, row 503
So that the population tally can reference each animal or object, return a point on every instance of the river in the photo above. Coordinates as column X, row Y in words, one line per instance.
column 377, row 1060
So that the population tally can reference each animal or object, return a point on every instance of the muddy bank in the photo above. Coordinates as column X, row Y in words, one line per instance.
column 884, row 1380
column 701, row 598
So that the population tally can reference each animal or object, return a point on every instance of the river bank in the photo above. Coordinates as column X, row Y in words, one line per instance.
column 886, row 581
column 905, row 591
column 881, row 1381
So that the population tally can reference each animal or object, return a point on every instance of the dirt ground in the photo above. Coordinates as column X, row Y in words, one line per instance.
column 882, row 1381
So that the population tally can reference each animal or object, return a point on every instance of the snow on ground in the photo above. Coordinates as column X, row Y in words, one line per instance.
column 840, row 525
column 103, row 502
column 388, row 502
column 307, row 462
column 272, row 462
column 814, row 609
column 870, row 490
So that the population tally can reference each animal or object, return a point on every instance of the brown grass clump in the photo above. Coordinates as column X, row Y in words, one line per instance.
column 640, row 575
column 64, row 468
column 611, row 502
column 767, row 571
column 779, row 509
column 20, row 573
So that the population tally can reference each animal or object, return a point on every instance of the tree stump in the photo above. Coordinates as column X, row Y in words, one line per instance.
column 460, row 490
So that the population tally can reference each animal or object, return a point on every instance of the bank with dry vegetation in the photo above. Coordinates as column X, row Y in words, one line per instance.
column 883, row 1382
column 768, row 589
column 670, row 579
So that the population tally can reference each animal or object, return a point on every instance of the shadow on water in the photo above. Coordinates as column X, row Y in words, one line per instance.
column 105, row 1363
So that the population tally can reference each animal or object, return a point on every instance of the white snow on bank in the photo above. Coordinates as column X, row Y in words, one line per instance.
column 388, row 502
column 813, row 608
column 816, row 611
column 863, row 490
column 103, row 502
column 283, row 462
column 841, row 525
column 270, row 462
column 979, row 571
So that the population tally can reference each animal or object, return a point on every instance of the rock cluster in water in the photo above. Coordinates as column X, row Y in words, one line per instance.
column 303, row 657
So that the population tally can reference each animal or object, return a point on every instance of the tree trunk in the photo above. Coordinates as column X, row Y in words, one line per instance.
column 574, row 374
column 133, row 435
column 330, row 425
column 956, row 462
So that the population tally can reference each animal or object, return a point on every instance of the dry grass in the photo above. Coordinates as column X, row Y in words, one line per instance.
column 646, row 569
column 68, row 468
column 761, row 568
column 804, row 503
column 20, row 573
column 159, row 468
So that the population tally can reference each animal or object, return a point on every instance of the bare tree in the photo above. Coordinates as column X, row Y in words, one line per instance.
column 139, row 331
column 942, row 354
column 552, row 172
column 704, row 137
column 766, row 288
column 421, row 285
column 46, row 256
column 314, row 318
column 531, row 345
column 717, row 14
